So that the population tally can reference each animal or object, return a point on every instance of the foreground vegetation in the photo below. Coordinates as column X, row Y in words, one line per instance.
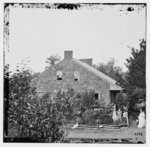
column 40, row 119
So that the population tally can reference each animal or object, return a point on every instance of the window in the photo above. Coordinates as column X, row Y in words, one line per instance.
column 59, row 75
column 76, row 76
column 96, row 96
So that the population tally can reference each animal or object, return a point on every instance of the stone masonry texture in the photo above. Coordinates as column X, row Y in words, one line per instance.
column 47, row 81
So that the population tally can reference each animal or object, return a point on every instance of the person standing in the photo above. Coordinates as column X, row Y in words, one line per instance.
column 141, row 119
column 126, row 116
column 115, row 116
column 119, row 114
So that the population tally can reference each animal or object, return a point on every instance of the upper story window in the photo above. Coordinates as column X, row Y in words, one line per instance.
column 59, row 75
column 96, row 96
column 76, row 76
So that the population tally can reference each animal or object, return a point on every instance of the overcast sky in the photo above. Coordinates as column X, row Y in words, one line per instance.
column 99, row 33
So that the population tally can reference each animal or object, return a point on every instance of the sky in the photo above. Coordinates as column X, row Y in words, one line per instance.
column 98, row 32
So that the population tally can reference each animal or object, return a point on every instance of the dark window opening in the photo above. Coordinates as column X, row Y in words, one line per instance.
column 59, row 75
column 113, row 95
column 96, row 96
column 76, row 76
column 58, row 78
column 75, row 79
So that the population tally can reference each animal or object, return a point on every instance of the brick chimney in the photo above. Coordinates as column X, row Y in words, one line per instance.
column 68, row 54
column 87, row 61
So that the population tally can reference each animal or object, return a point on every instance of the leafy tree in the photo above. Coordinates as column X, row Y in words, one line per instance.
column 135, row 79
column 136, row 67
column 28, row 115
column 35, row 75
column 121, row 100
column 52, row 60
column 113, row 71
column 19, row 97
column 6, row 95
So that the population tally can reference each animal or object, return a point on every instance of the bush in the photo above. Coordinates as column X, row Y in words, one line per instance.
column 106, row 119
column 88, row 117
column 121, row 100
column 97, row 117
column 65, row 102
column 87, row 99
column 39, row 122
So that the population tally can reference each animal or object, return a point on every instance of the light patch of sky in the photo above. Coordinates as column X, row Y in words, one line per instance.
column 100, row 34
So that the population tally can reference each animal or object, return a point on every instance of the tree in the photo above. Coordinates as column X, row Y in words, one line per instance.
column 20, row 94
column 113, row 71
column 28, row 116
column 121, row 100
column 52, row 60
column 6, row 95
column 135, row 79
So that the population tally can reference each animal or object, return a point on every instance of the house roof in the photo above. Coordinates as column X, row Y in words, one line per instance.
column 112, row 82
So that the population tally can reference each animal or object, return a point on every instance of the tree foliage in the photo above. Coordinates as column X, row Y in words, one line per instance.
column 6, row 95
column 136, row 67
column 65, row 102
column 40, row 119
column 113, row 71
column 121, row 100
column 87, row 99
column 28, row 116
column 135, row 79
column 52, row 60
column 97, row 116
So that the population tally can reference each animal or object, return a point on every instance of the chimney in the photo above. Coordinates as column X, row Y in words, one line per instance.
column 68, row 54
column 87, row 61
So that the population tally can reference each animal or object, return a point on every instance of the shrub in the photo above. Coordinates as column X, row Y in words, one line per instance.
column 96, row 117
column 106, row 119
column 87, row 99
column 121, row 100
column 88, row 117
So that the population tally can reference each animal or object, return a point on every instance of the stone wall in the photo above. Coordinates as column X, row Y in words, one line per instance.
column 47, row 81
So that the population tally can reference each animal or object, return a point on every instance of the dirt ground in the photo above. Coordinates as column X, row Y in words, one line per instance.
column 131, row 134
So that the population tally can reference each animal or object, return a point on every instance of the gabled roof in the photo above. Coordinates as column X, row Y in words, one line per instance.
column 112, row 82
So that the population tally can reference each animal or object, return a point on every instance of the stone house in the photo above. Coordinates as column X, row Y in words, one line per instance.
column 79, row 75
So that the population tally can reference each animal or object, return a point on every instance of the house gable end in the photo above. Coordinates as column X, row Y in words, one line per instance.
column 112, row 82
